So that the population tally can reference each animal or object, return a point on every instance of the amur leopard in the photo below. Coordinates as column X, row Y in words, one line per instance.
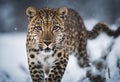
column 52, row 35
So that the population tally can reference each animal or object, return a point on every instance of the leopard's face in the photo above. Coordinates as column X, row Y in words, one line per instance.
column 48, row 27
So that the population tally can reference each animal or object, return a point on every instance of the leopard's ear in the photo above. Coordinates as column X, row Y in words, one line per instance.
column 62, row 12
column 31, row 12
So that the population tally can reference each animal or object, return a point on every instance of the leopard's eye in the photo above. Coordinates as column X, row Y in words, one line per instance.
column 38, row 27
column 55, row 27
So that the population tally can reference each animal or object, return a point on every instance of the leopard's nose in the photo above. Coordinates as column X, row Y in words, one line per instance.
column 47, row 42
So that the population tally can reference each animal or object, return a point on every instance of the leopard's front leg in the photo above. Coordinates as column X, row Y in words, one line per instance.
column 35, row 66
column 58, row 68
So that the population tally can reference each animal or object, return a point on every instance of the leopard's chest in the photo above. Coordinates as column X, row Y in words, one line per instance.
column 47, row 61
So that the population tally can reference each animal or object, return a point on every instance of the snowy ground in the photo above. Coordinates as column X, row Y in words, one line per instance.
column 13, row 59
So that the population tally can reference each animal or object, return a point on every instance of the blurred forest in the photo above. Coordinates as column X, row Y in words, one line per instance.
column 13, row 18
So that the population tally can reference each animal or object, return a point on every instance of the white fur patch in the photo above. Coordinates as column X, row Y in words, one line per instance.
column 46, row 53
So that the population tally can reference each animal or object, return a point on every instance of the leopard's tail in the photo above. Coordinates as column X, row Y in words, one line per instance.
column 101, row 27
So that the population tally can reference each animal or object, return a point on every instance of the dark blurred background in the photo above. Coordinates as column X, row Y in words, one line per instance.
column 13, row 18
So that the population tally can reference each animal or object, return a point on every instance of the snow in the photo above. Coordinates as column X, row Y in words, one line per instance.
column 73, row 72
column 97, row 46
column 13, row 58
column 114, row 55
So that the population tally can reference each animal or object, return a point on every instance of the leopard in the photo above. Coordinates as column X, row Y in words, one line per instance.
column 53, row 34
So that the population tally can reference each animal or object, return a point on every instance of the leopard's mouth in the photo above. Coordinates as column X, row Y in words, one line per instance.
column 47, row 49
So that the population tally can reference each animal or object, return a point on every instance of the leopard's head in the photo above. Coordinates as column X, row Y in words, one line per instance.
column 47, row 26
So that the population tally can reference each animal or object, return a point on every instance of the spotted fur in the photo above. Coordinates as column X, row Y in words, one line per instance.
column 54, row 34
